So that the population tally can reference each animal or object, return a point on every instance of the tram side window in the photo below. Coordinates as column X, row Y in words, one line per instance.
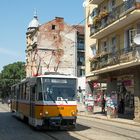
column 33, row 93
column 24, row 94
column 39, row 96
column 13, row 92
column 27, row 91
column 17, row 92
column 21, row 91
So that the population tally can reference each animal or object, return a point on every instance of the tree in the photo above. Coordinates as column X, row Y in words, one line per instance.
column 11, row 74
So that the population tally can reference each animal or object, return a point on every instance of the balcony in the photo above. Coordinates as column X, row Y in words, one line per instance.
column 120, row 16
column 116, row 60
column 95, row 1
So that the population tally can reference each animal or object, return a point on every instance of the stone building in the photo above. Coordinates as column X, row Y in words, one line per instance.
column 54, row 47
column 112, row 57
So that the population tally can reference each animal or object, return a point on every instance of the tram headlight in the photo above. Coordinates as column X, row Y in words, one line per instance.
column 40, row 114
column 46, row 113
column 73, row 113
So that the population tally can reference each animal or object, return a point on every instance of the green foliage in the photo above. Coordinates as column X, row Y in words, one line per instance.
column 11, row 74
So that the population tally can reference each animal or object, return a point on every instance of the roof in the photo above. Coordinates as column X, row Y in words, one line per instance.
column 79, row 28
column 34, row 23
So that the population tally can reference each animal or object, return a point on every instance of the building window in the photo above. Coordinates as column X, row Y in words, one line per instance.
column 81, row 61
column 129, row 39
column 113, row 44
column 93, row 50
column 54, row 37
column 94, row 12
column 104, row 46
column 138, row 28
column 53, row 27
column 80, row 45
column 82, row 72
column 112, row 4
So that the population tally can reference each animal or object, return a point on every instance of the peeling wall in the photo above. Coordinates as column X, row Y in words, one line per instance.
column 55, row 50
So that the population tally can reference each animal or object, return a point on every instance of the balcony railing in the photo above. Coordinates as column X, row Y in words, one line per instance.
column 100, row 22
column 114, row 58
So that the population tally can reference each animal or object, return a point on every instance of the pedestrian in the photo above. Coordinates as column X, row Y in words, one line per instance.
column 103, row 105
column 121, row 106
column 9, row 102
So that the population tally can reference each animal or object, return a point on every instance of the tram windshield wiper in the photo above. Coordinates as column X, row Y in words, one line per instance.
column 61, row 99
column 51, row 98
column 65, row 100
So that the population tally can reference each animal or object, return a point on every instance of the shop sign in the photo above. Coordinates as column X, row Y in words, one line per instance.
column 96, row 85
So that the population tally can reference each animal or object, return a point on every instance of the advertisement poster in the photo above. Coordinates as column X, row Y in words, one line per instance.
column 111, row 101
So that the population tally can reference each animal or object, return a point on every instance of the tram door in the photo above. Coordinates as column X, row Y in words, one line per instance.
column 32, row 101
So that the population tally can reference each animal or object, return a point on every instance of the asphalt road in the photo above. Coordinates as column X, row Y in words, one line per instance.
column 87, row 129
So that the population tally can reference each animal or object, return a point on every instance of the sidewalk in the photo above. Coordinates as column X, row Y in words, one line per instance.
column 4, row 107
column 98, row 115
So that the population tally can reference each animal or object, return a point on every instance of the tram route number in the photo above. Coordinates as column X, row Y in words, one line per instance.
column 60, row 108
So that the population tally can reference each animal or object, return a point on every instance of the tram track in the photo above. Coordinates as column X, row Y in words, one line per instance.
column 82, row 136
column 49, row 133
column 76, row 134
column 111, row 125
column 68, row 134
column 113, row 132
column 51, row 136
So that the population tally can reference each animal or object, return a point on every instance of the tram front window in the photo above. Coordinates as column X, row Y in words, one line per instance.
column 59, row 91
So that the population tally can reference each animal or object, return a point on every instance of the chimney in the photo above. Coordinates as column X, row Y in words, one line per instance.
column 59, row 19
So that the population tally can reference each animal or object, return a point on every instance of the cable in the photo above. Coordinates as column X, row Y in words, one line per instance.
column 75, row 26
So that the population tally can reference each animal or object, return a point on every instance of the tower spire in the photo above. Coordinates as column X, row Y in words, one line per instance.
column 34, row 22
column 35, row 13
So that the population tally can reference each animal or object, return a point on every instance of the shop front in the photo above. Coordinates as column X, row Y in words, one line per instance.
column 97, row 89
column 125, row 86
column 118, row 92
column 122, row 91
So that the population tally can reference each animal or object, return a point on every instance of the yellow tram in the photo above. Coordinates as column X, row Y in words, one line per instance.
column 47, row 101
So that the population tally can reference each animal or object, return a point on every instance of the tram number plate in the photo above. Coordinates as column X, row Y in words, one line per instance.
column 60, row 108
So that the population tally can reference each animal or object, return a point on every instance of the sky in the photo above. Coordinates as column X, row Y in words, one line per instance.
column 15, row 17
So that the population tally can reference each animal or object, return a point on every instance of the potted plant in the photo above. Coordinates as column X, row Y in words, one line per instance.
column 96, row 19
column 103, row 13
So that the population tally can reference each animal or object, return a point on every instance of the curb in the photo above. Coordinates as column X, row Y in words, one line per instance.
column 112, row 120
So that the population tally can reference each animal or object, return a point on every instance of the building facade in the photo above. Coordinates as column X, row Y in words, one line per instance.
column 112, row 57
column 80, row 51
column 54, row 47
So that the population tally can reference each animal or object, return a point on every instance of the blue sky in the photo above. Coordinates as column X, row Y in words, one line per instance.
column 15, row 16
